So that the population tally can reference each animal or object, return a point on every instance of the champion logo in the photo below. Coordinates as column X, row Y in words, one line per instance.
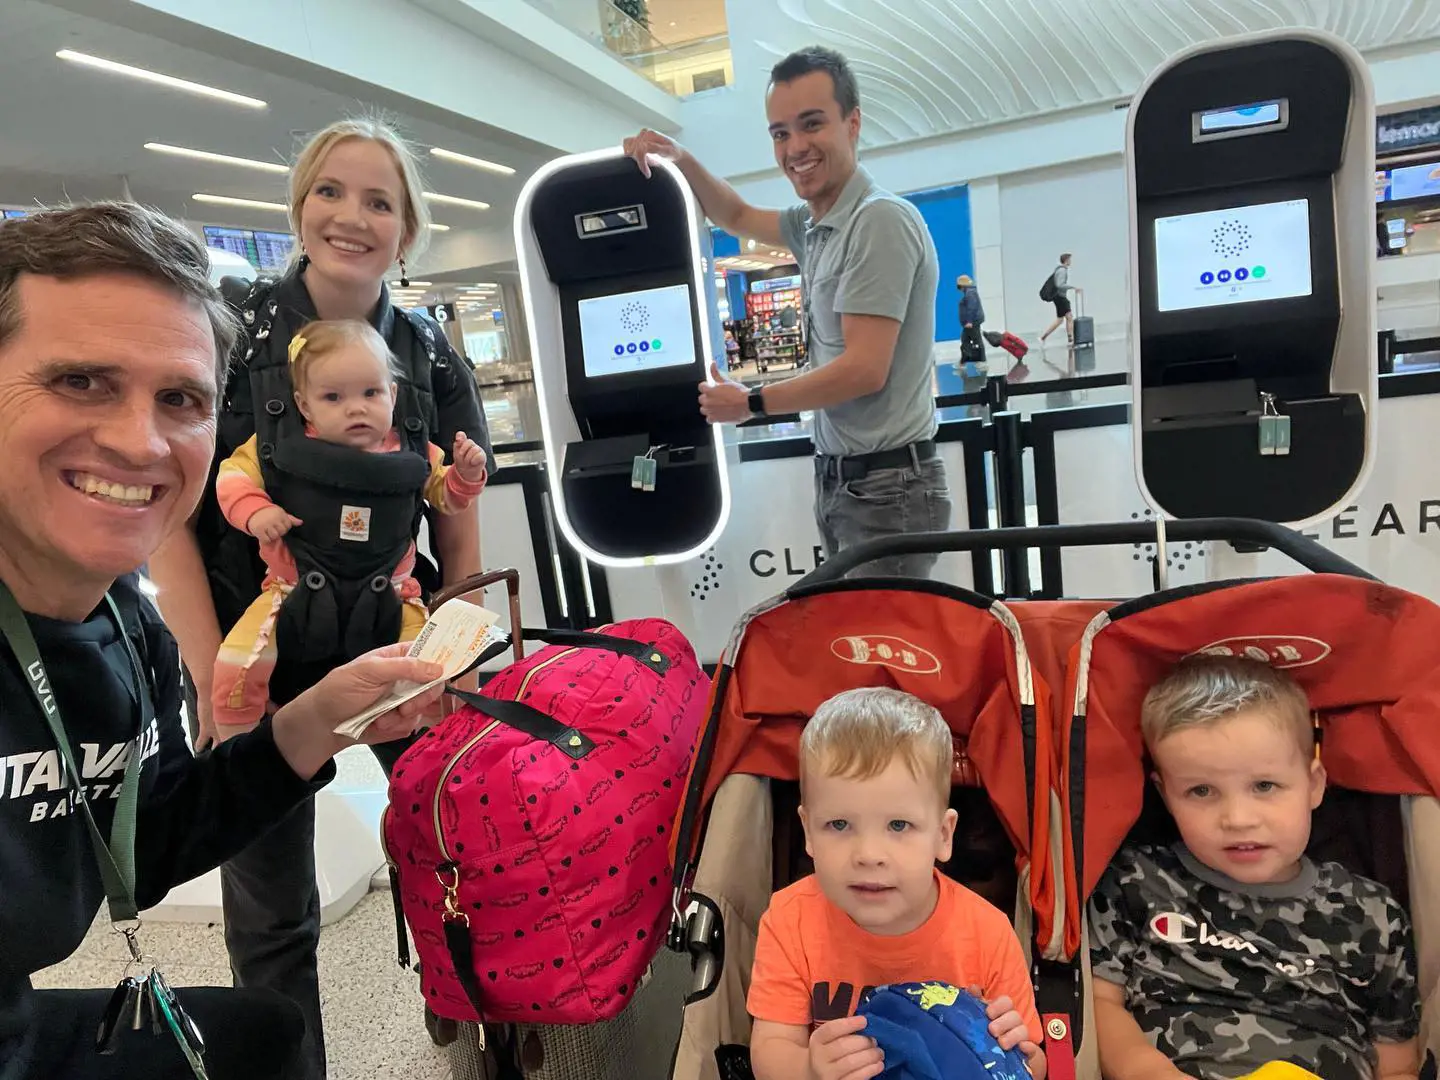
column 1177, row 928
column 886, row 651
column 1277, row 650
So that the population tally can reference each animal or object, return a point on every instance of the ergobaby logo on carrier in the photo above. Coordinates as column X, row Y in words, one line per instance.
column 355, row 523
column 1277, row 650
column 886, row 651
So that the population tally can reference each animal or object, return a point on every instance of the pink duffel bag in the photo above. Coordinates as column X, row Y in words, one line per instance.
column 528, row 833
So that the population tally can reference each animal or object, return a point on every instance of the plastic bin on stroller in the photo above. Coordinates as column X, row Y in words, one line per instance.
column 1075, row 767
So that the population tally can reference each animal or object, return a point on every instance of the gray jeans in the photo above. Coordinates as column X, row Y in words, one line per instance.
column 885, row 502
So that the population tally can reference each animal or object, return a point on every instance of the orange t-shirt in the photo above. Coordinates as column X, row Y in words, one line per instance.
column 813, row 964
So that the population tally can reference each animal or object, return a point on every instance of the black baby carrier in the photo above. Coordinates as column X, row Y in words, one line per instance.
column 360, row 510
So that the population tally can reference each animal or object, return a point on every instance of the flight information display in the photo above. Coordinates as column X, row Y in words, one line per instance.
column 266, row 251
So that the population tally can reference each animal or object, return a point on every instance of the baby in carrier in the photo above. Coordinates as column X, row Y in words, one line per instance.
column 1231, row 952
column 335, row 510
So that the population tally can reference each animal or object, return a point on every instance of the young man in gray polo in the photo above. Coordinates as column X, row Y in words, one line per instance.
column 869, row 273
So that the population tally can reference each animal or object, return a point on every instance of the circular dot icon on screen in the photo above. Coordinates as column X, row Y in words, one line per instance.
column 644, row 346
column 1207, row 278
column 634, row 317
column 1241, row 274
column 655, row 344
column 619, row 350
column 1224, row 276
column 1258, row 271
column 630, row 348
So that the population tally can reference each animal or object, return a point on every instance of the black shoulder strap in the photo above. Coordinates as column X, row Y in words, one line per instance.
column 425, row 356
column 257, row 311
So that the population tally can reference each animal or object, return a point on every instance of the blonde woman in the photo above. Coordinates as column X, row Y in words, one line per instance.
column 357, row 211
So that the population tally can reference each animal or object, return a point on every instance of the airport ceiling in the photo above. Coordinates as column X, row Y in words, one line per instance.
column 72, row 131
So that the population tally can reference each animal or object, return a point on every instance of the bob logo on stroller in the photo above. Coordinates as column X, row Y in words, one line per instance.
column 892, row 652
column 1277, row 650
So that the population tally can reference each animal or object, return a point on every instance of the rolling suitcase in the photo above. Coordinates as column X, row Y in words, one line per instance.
column 1084, row 324
column 1011, row 343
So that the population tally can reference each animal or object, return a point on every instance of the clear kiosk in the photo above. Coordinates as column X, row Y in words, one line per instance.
column 1251, row 180
column 620, row 308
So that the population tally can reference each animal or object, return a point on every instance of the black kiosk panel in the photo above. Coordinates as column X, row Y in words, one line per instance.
column 624, row 258
column 1233, row 155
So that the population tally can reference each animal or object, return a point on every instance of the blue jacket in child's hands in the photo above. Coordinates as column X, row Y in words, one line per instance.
column 934, row 1031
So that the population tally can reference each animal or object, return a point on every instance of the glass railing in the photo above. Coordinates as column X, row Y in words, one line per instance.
column 681, row 68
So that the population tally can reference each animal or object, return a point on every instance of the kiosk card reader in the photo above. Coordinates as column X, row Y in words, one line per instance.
column 1251, row 174
column 620, row 305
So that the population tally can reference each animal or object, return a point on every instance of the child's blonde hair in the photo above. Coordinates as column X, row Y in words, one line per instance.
column 1204, row 690
column 414, row 211
column 857, row 733
column 323, row 337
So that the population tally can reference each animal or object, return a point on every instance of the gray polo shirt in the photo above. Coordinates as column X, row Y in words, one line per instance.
column 870, row 255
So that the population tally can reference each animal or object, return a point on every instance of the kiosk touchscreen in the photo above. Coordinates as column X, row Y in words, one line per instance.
column 1251, row 176
column 620, row 303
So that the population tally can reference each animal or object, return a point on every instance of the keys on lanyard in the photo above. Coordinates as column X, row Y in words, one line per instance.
column 149, row 1001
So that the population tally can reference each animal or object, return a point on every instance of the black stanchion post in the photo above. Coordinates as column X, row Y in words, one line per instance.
column 1010, row 498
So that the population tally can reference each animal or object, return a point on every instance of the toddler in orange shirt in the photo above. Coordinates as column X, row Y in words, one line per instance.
column 875, row 769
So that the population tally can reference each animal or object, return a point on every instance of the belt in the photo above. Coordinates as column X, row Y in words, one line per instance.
column 858, row 466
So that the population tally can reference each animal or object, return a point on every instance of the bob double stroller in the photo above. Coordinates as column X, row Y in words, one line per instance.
column 1050, row 779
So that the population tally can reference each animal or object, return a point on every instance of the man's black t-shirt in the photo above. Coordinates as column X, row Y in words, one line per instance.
column 193, row 812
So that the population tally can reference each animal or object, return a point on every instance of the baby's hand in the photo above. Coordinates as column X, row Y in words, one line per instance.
column 1009, row 1031
column 469, row 457
column 838, row 1051
column 271, row 524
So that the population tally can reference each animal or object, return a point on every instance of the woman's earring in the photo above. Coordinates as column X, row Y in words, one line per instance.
column 303, row 261
column 404, row 281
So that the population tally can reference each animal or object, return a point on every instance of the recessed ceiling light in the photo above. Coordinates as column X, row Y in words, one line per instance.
column 438, row 227
column 252, row 204
column 474, row 162
column 218, row 159
column 486, row 285
column 455, row 200
column 163, row 80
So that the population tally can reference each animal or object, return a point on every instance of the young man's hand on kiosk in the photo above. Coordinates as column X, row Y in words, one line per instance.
column 651, row 143
column 724, row 401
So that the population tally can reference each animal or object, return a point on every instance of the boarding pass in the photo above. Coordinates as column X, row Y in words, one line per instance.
column 454, row 638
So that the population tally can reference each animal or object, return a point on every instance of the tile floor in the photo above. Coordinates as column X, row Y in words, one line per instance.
column 373, row 1025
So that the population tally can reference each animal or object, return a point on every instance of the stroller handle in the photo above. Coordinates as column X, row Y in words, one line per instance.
column 1303, row 550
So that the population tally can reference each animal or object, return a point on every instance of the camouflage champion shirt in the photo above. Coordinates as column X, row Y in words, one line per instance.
column 1223, row 977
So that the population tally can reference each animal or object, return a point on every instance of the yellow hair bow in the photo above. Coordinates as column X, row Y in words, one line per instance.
column 297, row 343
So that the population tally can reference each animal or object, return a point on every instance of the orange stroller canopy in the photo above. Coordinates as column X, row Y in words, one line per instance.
column 1364, row 652
column 954, row 649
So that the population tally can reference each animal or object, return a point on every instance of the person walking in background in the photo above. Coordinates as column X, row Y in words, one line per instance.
column 972, row 316
column 1057, row 290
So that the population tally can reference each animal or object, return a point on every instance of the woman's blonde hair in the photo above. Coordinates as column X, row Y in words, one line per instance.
column 306, row 170
column 319, row 339
column 857, row 733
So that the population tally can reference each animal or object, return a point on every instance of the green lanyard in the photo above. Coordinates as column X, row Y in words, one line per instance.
column 116, row 859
